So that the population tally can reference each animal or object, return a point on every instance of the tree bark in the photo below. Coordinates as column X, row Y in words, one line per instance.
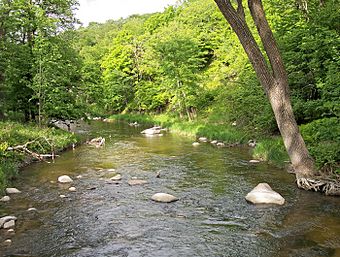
column 274, row 80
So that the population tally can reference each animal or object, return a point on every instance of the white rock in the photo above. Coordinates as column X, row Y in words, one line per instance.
column 65, row 179
column 6, row 198
column 214, row 142
column 5, row 219
column 12, row 190
column 62, row 196
column 254, row 161
column 9, row 224
column 11, row 231
column 116, row 178
column 110, row 170
column 137, row 182
column 8, row 242
column 32, row 209
column 152, row 131
column 203, row 139
column 72, row 189
column 164, row 198
column 221, row 144
column 264, row 194
column 195, row 144
column 79, row 176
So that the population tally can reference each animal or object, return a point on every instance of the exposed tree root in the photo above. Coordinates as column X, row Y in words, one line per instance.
column 327, row 186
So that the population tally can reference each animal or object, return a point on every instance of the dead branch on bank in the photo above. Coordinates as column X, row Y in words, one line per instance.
column 24, row 149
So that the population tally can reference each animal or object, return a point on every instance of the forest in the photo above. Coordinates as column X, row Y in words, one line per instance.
column 184, row 68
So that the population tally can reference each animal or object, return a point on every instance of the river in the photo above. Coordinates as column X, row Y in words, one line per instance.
column 211, row 218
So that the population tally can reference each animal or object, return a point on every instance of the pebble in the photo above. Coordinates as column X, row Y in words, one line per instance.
column 79, row 176
column 214, row 142
column 203, row 139
column 32, row 209
column 8, row 242
column 72, row 189
column 117, row 177
column 164, row 198
column 12, row 190
column 136, row 182
column 195, row 144
column 62, row 196
column 11, row 231
column 254, row 161
column 6, row 198
column 64, row 179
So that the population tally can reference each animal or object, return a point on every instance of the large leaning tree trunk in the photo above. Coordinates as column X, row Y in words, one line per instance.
column 273, row 78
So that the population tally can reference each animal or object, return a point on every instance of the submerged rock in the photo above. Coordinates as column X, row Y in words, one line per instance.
column 6, row 198
column 12, row 190
column 64, row 179
column 264, row 194
column 164, row 198
column 136, row 182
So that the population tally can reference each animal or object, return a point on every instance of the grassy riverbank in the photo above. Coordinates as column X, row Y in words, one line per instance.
column 34, row 139
column 269, row 149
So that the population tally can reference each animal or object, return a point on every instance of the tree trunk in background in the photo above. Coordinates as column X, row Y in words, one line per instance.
column 274, row 80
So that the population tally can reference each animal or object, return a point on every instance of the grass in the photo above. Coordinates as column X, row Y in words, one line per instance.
column 44, row 140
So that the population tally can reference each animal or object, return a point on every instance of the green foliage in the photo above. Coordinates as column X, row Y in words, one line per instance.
column 323, row 139
column 271, row 150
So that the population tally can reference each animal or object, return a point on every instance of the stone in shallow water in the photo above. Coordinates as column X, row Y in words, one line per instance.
column 264, row 194
column 136, row 182
column 8, row 242
column 64, row 179
column 12, row 190
column 164, row 198
column 254, row 161
column 5, row 219
column 116, row 177
column 6, row 198
column 72, row 189
column 195, row 144
column 203, row 139
column 9, row 224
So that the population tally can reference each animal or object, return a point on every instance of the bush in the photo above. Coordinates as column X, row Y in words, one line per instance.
column 323, row 139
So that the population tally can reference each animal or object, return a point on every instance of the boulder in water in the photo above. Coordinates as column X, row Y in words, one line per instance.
column 9, row 224
column 164, row 198
column 264, row 194
column 152, row 131
column 12, row 190
column 64, row 179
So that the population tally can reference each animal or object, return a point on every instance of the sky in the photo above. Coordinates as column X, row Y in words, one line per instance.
column 103, row 10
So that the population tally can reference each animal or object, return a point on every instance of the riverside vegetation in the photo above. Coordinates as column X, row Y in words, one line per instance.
column 183, row 68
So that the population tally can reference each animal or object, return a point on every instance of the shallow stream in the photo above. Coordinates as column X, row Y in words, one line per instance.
column 211, row 218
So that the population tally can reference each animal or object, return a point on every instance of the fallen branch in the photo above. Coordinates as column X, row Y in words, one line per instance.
column 25, row 150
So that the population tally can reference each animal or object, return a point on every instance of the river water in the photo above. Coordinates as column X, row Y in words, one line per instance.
column 211, row 218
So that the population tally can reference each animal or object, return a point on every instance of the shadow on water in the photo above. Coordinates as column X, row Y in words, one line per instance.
column 210, row 219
